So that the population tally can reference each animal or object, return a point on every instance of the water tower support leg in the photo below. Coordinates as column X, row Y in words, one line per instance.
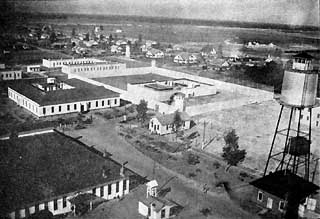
column 273, row 140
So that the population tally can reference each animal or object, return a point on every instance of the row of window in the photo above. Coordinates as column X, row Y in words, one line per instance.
column 25, row 103
column 96, row 68
column 10, row 75
column 270, row 201
column 75, row 106
column 72, row 62
column 55, row 203
column 110, row 188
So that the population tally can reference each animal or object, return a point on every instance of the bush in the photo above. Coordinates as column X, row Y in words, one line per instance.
column 216, row 164
column 198, row 170
column 193, row 159
column 192, row 175
column 243, row 174
column 206, row 211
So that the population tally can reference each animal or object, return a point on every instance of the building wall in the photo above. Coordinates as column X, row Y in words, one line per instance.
column 60, row 209
column 55, row 63
column 33, row 68
column 94, row 71
column 10, row 75
column 305, row 117
column 156, row 127
column 38, row 110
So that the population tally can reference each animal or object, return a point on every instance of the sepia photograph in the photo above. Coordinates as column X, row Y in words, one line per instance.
column 159, row 109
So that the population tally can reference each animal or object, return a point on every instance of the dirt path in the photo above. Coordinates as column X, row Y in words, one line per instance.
column 103, row 136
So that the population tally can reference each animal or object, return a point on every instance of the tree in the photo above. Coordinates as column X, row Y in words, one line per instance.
column 73, row 33
column 52, row 37
column 142, row 110
column 220, row 51
column 177, row 122
column 231, row 152
column 87, row 37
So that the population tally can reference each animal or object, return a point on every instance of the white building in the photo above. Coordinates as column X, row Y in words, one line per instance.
column 33, row 68
column 154, row 207
column 55, row 63
column 105, row 181
column 185, row 58
column 154, row 53
column 57, row 98
column 10, row 74
column 305, row 116
column 163, row 124
column 92, row 70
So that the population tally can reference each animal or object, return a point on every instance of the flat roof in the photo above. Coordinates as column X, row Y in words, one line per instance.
column 158, row 87
column 94, row 63
column 83, row 91
column 41, row 167
column 281, row 182
column 122, row 81
column 168, row 119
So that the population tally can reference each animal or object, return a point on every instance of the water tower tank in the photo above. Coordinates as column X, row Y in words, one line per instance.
column 299, row 88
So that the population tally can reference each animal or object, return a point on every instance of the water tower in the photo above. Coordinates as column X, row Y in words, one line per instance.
column 285, row 184
column 291, row 151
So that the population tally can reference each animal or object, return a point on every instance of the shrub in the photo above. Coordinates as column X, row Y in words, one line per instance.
column 243, row 174
column 198, row 170
column 206, row 211
column 193, row 159
column 192, row 175
column 216, row 164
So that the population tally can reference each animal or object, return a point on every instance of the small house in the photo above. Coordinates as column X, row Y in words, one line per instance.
column 208, row 50
column 185, row 58
column 163, row 124
column 154, row 53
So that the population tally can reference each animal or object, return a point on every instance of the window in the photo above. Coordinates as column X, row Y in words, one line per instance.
column 68, row 107
column 101, row 191
column 158, row 127
column 64, row 202
column 59, row 108
column 55, row 204
column 109, row 189
column 318, row 116
column 108, row 102
column 94, row 191
column 167, row 127
column 44, row 111
column 52, row 109
column 75, row 106
column 260, row 196
column 317, row 123
column 124, row 185
column 281, row 205
column 307, row 117
column 102, row 103
column 89, row 105
column 97, row 103
column 163, row 213
column 301, row 116
column 117, row 187
column 115, row 101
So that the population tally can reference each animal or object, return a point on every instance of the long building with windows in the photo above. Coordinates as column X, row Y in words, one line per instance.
column 61, row 97
column 56, row 63
column 53, row 172
column 305, row 116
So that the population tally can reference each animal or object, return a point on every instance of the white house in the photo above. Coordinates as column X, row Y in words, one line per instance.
column 154, row 207
column 154, row 53
column 185, row 58
column 163, row 124
column 33, row 68
column 208, row 50
column 56, row 98
column 55, row 63
column 10, row 74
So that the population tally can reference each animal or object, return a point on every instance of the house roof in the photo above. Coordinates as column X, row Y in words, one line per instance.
column 280, row 183
column 217, row 62
column 303, row 55
column 208, row 48
column 158, row 202
column 154, row 51
column 40, row 167
column 83, row 91
column 167, row 119
column 152, row 183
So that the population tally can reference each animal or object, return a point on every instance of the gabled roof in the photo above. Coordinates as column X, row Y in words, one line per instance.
column 154, row 51
column 280, row 183
column 208, row 48
column 167, row 119
column 152, row 183
column 303, row 55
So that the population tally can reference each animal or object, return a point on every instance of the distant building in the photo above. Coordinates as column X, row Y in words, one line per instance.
column 185, row 58
column 33, row 68
column 163, row 124
column 305, row 116
column 9, row 73
column 76, row 170
column 208, row 50
column 55, row 63
column 218, row 64
column 154, row 53
column 61, row 97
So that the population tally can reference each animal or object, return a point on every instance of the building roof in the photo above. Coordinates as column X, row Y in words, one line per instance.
column 280, row 183
column 152, row 183
column 167, row 119
column 40, row 167
column 208, row 49
column 83, row 91
column 158, row 87
column 154, row 50
column 303, row 55
column 122, row 81
column 158, row 202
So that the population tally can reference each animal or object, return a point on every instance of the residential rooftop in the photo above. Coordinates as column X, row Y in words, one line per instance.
column 83, row 91
column 167, row 119
column 40, row 167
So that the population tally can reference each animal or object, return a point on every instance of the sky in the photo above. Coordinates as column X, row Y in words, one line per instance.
column 295, row 12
